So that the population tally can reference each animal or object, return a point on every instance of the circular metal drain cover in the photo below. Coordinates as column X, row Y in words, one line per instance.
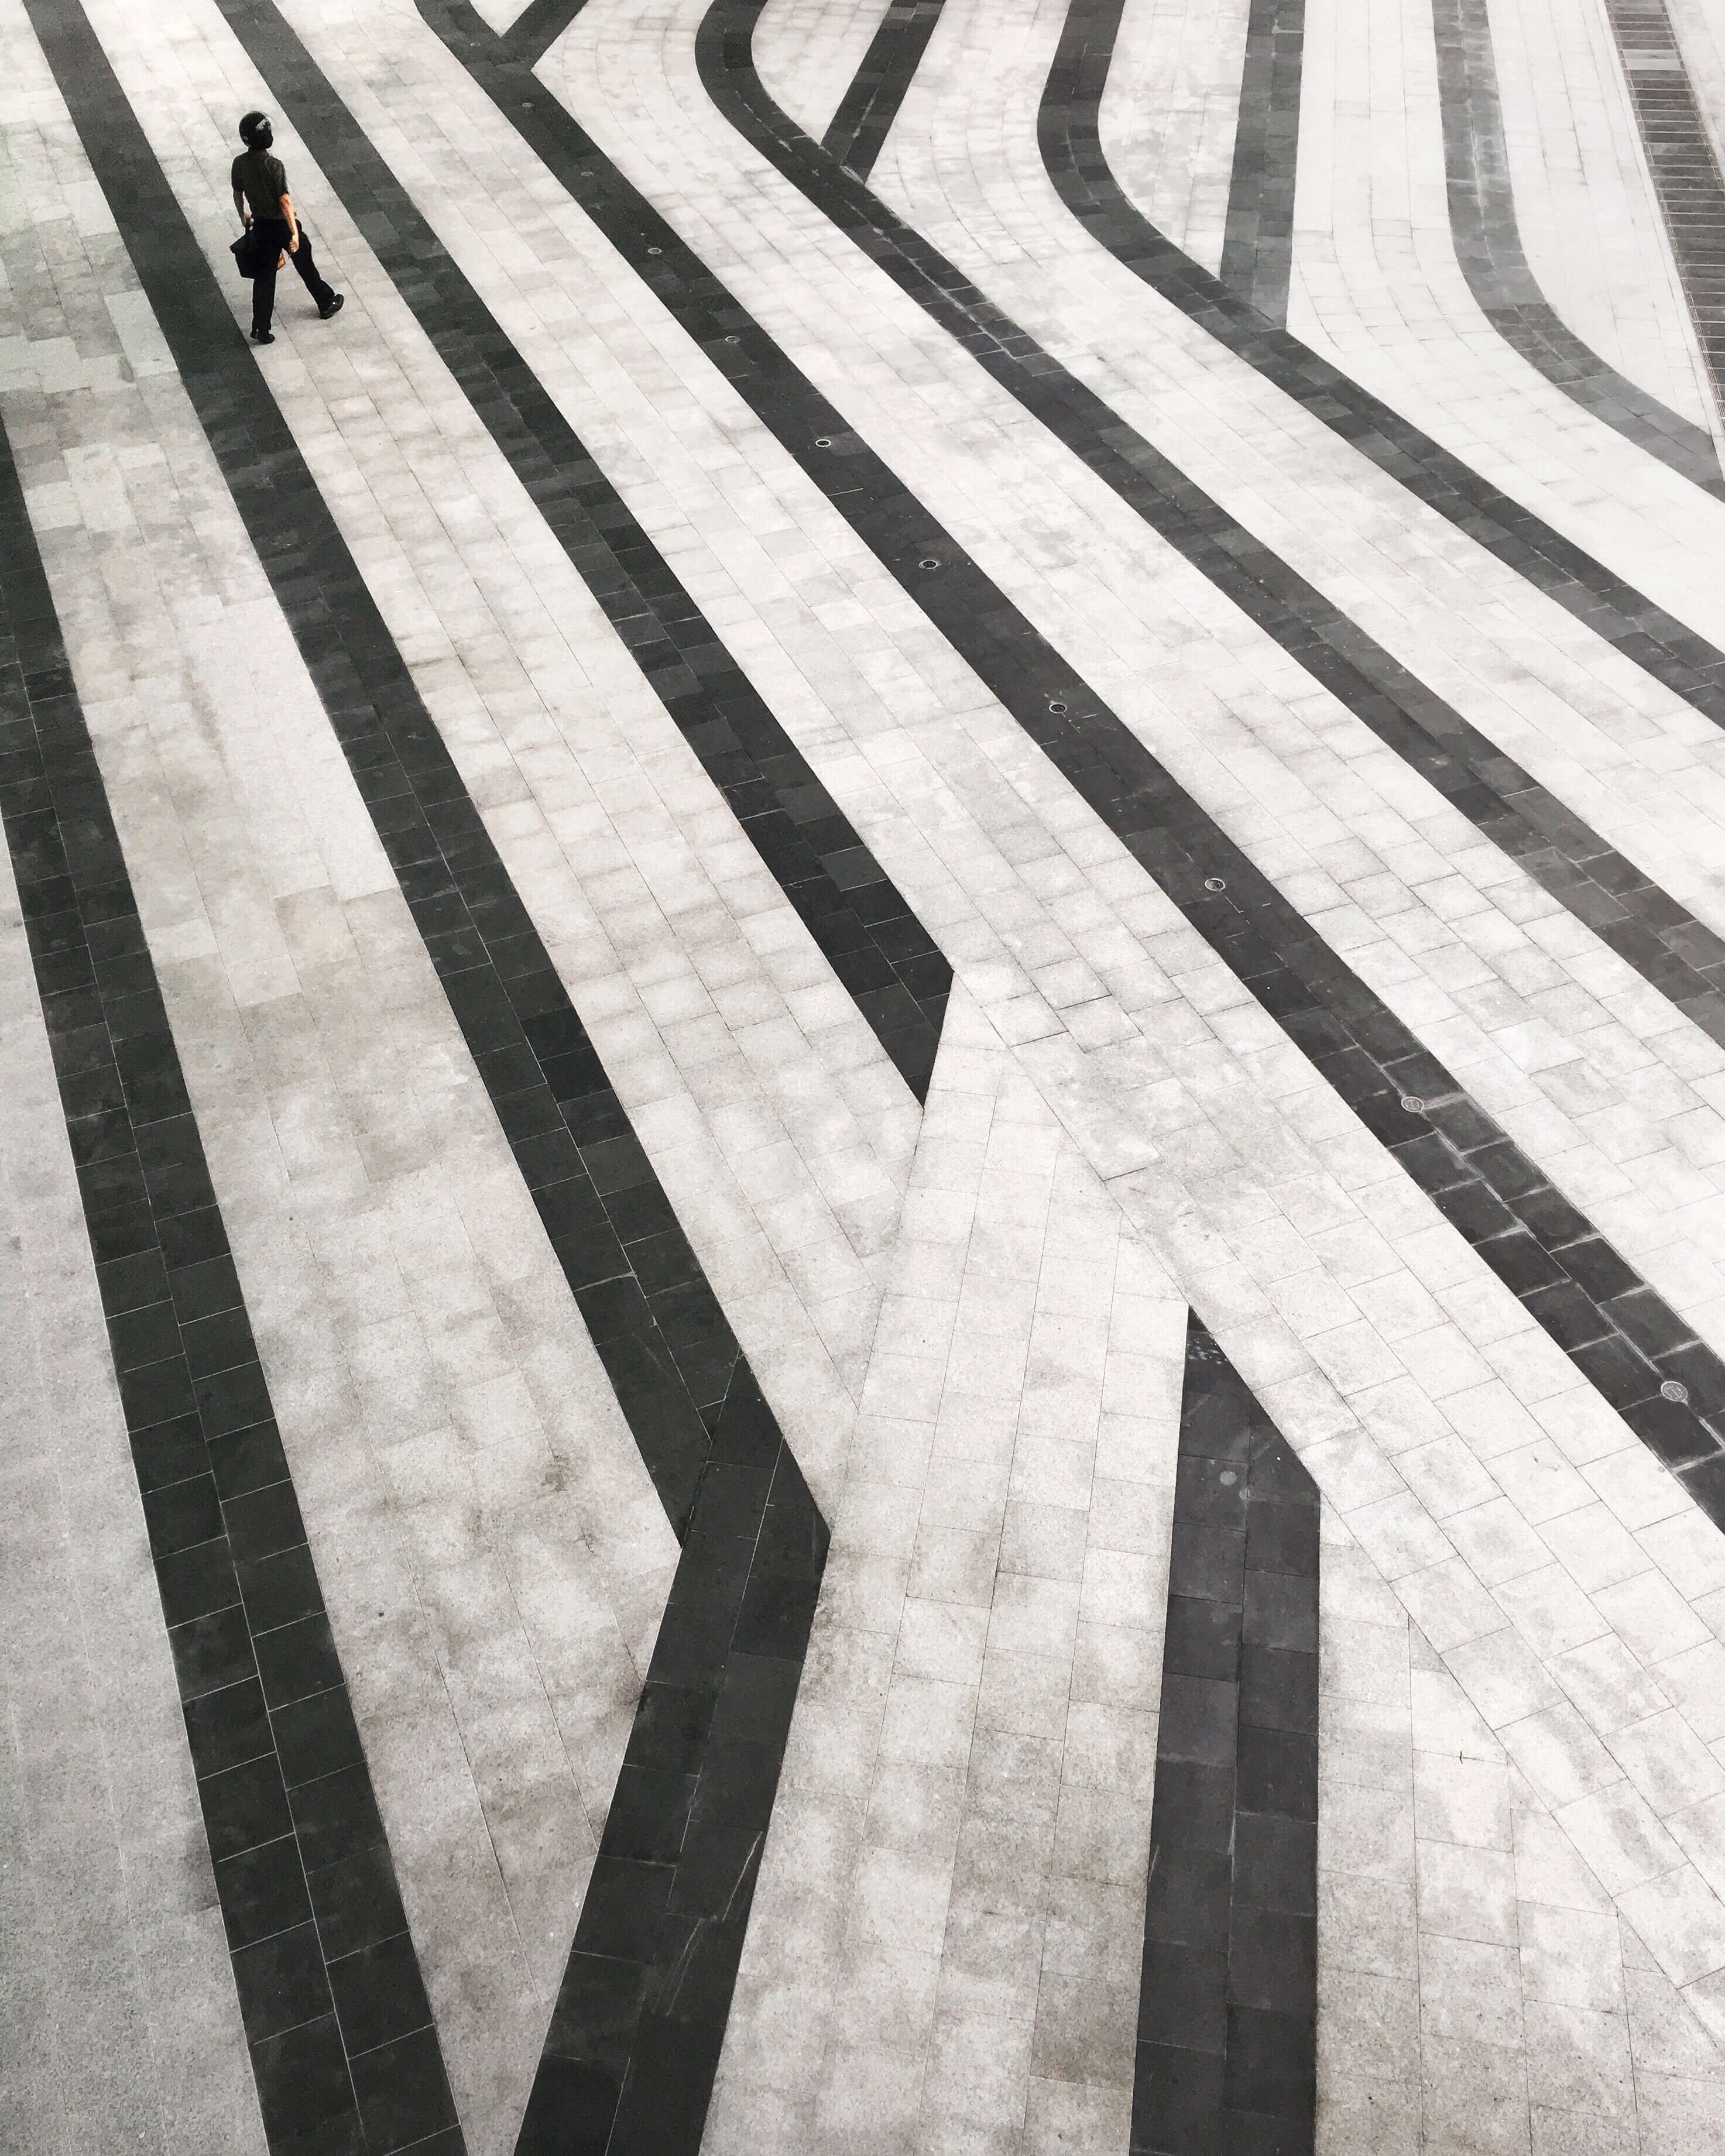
column 655, row 250
column 823, row 441
column 1671, row 1390
column 928, row 561
column 1057, row 707
column 1215, row 883
column 1413, row 1103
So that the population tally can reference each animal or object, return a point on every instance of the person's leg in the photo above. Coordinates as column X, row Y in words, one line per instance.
column 303, row 261
column 263, row 287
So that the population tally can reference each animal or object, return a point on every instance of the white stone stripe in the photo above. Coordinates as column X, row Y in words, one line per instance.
column 947, row 1934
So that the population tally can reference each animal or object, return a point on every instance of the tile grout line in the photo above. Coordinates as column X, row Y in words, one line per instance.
column 1488, row 247
column 880, row 952
column 1227, row 2033
column 635, row 2034
column 330, row 1991
column 1258, row 236
column 1677, row 955
column 859, row 129
column 1632, row 1348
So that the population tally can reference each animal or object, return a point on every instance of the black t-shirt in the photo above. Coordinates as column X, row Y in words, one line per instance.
column 262, row 179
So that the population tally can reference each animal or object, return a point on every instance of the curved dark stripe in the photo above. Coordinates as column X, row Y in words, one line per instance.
column 1072, row 152
column 1227, row 2044
column 535, row 29
column 869, row 107
column 879, row 952
column 1624, row 1338
column 1488, row 246
column 335, row 2019
column 1685, row 172
column 1258, row 238
column 1667, row 946
column 635, row 2041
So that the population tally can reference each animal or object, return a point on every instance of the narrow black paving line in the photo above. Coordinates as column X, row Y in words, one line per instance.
column 1672, row 951
column 1227, row 2042
column 1488, row 246
column 869, row 107
column 1624, row 1339
column 335, row 2018
column 1685, row 172
column 879, row 952
column 634, row 2039
column 1072, row 152
column 1258, row 234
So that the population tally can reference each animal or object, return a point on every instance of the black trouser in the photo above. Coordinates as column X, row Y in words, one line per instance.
column 273, row 234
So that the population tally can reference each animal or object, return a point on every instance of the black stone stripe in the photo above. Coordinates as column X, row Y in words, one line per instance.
column 1488, row 246
column 1072, row 152
column 1258, row 234
column 866, row 111
column 879, row 951
column 1227, row 2043
column 535, row 29
column 1665, row 943
column 1685, row 171
column 1625, row 1338
column 635, row 2038
column 342, row 2047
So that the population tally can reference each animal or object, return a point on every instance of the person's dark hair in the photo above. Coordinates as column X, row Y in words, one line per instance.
column 249, row 126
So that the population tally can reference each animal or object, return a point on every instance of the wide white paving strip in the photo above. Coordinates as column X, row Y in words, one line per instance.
column 946, row 1939
column 767, row 1107
column 1377, row 288
column 119, row 2024
column 962, row 165
column 492, row 1553
column 1422, row 907
column 1169, row 107
column 1589, row 218
column 1476, row 1988
column 810, row 51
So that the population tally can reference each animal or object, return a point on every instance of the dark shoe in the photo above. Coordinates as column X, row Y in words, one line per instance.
column 262, row 336
column 334, row 307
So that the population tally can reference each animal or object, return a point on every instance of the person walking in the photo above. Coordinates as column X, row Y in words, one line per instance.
column 265, row 207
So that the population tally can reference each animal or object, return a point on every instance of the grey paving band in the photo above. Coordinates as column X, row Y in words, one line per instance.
column 1625, row 1338
column 343, row 2047
column 870, row 104
column 1227, row 2043
column 1488, row 246
column 1258, row 235
column 1670, row 949
column 634, row 2039
column 1685, row 172
column 879, row 951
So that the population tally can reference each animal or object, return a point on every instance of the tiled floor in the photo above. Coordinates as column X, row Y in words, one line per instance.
column 862, row 1080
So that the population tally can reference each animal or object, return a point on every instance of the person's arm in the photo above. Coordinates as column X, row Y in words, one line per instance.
column 292, row 223
column 243, row 213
